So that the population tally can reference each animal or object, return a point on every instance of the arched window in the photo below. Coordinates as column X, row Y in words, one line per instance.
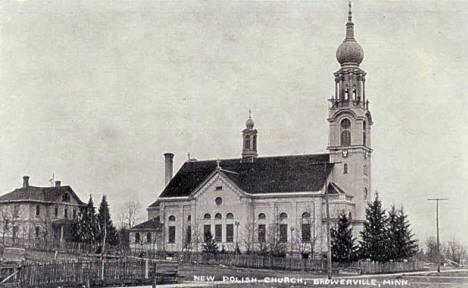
column 283, row 216
column 306, row 215
column 346, row 94
column 207, row 216
column 364, row 133
column 354, row 94
column 172, row 218
column 219, row 201
column 229, row 216
column 345, row 168
column 218, row 216
column 261, row 216
column 345, row 132
column 247, row 142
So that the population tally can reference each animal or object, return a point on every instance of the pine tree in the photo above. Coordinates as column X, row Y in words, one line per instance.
column 85, row 228
column 343, row 242
column 374, row 243
column 402, row 245
column 210, row 246
column 105, row 227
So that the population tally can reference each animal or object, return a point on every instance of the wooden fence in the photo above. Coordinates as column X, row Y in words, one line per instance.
column 298, row 264
column 93, row 273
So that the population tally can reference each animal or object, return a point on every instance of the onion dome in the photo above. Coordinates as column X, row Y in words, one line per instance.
column 349, row 52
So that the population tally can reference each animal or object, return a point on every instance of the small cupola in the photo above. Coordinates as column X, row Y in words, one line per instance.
column 249, row 136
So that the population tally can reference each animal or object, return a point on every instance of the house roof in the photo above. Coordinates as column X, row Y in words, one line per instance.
column 296, row 173
column 33, row 193
column 151, row 224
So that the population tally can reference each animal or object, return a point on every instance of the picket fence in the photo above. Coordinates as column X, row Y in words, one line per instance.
column 93, row 273
column 298, row 264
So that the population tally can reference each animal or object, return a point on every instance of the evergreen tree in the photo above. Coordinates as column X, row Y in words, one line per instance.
column 85, row 228
column 401, row 244
column 374, row 243
column 210, row 246
column 343, row 243
column 105, row 227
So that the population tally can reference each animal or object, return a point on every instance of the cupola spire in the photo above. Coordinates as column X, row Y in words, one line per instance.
column 249, row 135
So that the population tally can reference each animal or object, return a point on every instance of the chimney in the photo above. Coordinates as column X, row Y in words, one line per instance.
column 58, row 183
column 25, row 181
column 168, row 164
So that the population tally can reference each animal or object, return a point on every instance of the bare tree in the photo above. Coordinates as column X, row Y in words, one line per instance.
column 455, row 251
column 129, row 214
column 248, row 241
column 10, row 216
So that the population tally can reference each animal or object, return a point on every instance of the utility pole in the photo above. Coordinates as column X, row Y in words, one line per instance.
column 437, row 225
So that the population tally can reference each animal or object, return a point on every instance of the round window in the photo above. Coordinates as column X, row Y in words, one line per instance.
column 218, row 201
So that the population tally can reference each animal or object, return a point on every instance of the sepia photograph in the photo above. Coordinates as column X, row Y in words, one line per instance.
column 233, row 143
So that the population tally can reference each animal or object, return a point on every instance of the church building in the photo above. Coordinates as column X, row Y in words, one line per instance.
column 252, row 202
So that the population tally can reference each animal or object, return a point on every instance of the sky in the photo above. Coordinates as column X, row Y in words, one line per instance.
column 96, row 91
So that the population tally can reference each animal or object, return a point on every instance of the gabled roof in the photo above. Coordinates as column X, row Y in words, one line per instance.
column 152, row 224
column 46, row 194
column 296, row 173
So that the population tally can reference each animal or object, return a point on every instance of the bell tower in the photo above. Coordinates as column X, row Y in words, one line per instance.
column 350, row 124
column 249, row 136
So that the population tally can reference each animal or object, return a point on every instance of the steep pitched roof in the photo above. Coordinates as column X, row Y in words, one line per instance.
column 297, row 173
column 47, row 194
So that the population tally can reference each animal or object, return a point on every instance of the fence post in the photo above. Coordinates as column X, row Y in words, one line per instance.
column 146, row 268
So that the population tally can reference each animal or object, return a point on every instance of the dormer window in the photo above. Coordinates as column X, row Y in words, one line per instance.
column 66, row 197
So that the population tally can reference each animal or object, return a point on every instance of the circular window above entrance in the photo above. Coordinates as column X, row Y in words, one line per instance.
column 218, row 201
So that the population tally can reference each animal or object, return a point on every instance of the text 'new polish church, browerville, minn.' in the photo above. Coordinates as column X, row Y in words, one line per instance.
column 250, row 201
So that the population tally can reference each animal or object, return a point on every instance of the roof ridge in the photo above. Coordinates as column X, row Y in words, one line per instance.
column 263, row 157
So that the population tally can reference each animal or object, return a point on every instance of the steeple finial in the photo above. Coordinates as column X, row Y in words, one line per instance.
column 350, row 14
column 250, row 114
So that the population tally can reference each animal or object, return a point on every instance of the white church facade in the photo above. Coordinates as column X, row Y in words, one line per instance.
column 253, row 201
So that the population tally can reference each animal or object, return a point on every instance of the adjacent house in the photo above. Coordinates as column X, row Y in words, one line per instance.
column 31, row 213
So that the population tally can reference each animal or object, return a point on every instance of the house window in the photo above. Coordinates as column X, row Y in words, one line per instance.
column 74, row 213
column 148, row 237
column 172, row 218
column 345, row 132
column 189, row 217
column 218, row 216
column 230, row 233
column 65, row 213
column 219, row 201
column 38, row 210
column 218, row 232
column 189, row 234
column 207, row 216
column 66, row 197
column 56, row 211
column 283, row 237
column 345, row 168
column 306, row 215
column 137, row 237
column 229, row 216
column 15, row 231
column 261, row 233
column 305, row 232
column 219, row 188
column 38, row 229
column 207, row 232
column 261, row 216
column 171, row 234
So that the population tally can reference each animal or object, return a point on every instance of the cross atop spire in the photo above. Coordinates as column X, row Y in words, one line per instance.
column 250, row 114
column 350, row 14
column 218, row 166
